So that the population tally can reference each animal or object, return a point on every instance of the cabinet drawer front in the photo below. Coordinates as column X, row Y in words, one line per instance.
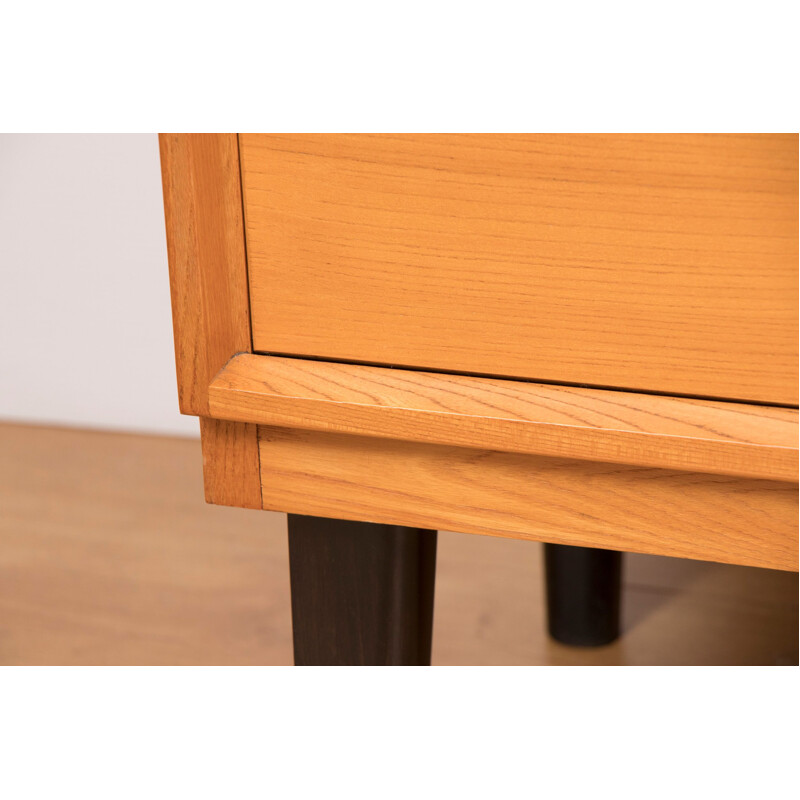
column 663, row 263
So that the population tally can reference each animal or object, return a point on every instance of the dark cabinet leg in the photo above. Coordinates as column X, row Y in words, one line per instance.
column 583, row 594
column 362, row 593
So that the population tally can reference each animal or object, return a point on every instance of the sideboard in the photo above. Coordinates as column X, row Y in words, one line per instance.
column 583, row 340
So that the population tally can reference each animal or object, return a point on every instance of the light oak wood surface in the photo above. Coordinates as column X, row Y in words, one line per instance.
column 207, row 265
column 108, row 555
column 230, row 463
column 621, row 507
column 210, row 303
column 510, row 416
column 664, row 263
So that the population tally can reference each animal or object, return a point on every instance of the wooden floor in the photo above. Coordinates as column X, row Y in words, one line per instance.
column 108, row 555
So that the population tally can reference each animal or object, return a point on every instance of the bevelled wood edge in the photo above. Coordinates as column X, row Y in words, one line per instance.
column 210, row 298
column 566, row 501
column 510, row 416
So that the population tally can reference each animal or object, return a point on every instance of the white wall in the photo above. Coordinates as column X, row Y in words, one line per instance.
column 85, row 323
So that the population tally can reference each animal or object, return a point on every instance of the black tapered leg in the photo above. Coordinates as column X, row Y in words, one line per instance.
column 583, row 594
column 362, row 593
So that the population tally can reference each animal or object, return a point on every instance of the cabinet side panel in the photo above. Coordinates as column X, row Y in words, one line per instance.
column 230, row 463
column 207, row 264
column 210, row 302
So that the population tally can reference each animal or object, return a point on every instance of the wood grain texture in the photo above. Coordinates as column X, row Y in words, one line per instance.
column 637, row 509
column 510, row 416
column 663, row 263
column 210, row 305
column 230, row 463
column 208, row 270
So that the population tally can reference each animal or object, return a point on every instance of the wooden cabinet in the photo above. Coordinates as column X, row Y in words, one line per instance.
column 585, row 340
